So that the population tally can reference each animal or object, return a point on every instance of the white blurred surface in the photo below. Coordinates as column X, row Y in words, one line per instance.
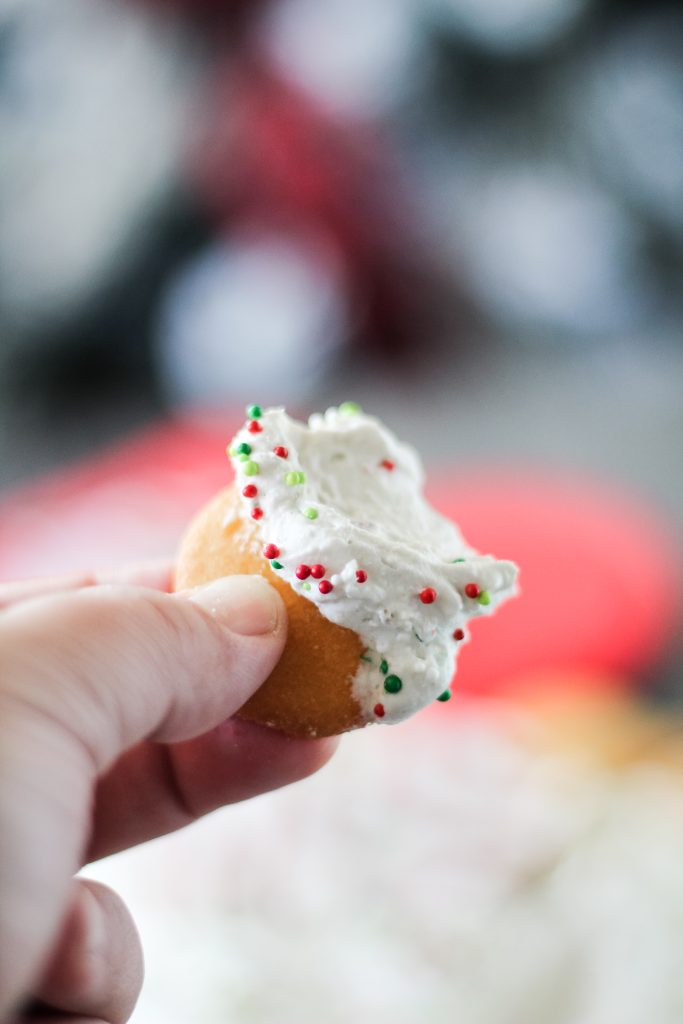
column 433, row 874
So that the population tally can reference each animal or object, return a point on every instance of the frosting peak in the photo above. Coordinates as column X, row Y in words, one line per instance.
column 340, row 513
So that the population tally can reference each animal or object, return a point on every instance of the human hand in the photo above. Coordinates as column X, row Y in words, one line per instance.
column 115, row 705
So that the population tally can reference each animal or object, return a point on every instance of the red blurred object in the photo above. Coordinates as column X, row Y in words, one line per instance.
column 269, row 154
column 600, row 592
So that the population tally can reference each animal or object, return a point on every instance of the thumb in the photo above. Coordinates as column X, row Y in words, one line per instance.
column 85, row 676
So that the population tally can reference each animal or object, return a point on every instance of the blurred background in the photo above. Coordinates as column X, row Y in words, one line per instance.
column 467, row 216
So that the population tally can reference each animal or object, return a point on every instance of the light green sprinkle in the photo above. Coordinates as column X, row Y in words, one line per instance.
column 254, row 412
column 244, row 448
column 251, row 468
column 311, row 513
column 350, row 409
column 305, row 586
column 232, row 451
column 276, row 565
column 384, row 666
column 484, row 597
column 244, row 458
column 446, row 695
column 293, row 478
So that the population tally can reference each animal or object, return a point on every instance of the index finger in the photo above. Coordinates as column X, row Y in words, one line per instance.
column 156, row 575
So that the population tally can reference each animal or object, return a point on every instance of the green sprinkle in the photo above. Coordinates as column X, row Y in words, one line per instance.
column 311, row 513
column 484, row 597
column 350, row 408
column 365, row 658
column 244, row 458
column 446, row 695
column 254, row 412
column 293, row 478
column 392, row 684
column 244, row 448
column 305, row 586
column 276, row 565
column 457, row 560
column 384, row 666
column 251, row 468
column 232, row 451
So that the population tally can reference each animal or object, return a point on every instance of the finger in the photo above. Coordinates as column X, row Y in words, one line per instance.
column 157, row 575
column 87, row 675
column 154, row 789
column 96, row 966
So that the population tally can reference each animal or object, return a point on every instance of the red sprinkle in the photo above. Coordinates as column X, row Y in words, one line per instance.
column 379, row 710
column 281, row 452
column 271, row 551
column 303, row 572
column 459, row 634
column 361, row 576
column 472, row 590
column 254, row 427
column 428, row 595
column 317, row 571
column 257, row 513
column 250, row 491
column 387, row 464
column 325, row 587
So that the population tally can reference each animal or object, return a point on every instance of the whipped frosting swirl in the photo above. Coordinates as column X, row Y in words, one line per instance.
column 340, row 514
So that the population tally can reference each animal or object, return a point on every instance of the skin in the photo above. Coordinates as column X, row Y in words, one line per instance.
column 116, row 705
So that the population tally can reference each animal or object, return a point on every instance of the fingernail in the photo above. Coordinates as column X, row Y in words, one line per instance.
column 245, row 604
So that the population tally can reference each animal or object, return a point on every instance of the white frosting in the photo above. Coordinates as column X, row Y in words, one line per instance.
column 366, row 488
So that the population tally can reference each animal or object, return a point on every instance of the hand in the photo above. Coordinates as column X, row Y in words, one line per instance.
column 115, row 705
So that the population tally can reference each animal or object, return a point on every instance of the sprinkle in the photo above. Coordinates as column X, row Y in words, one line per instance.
column 251, row 468
column 428, row 595
column 379, row 710
column 457, row 560
column 271, row 551
column 254, row 412
column 232, row 451
column 484, row 597
column 311, row 513
column 303, row 572
column 350, row 408
column 459, row 634
column 257, row 513
column 281, row 452
column 317, row 571
column 244, row 457
column 276, row 565
column 361, row 576
column 384, row 666
column 325, row 587
column 244, row 448
column 472, row 590
column 254, row 427
column 392, row 684
column 305, row 586
column 446, row 695
column 387, row 464
column 250, row 491
column 365, row 658
column 293, row 478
